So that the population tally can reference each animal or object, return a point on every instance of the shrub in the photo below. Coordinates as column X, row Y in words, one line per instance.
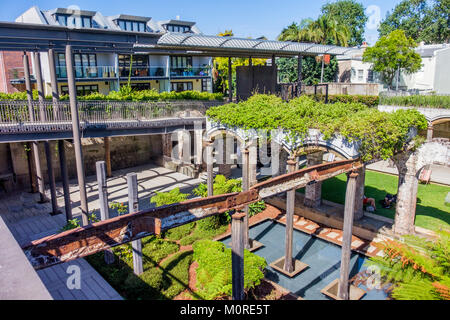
column 427, row 101
column 175, row 272
column 370, row 101
column 214, row 269
column 165, row 198
column 179, row 232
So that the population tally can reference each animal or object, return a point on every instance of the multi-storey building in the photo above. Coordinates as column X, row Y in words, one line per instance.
column 104, row 72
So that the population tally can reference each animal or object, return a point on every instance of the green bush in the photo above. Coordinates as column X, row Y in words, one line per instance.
column 179, row 232
column 175, row 272
column 380, row 134
column 165, row 198
column 125, row 95
column 426, row 101
column 370, row 101
column 214, row 269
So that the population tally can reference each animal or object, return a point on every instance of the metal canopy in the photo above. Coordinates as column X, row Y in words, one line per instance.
column 16, row 36
column 230, row 45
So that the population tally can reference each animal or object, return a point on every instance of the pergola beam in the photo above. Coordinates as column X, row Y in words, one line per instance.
column 102, row 235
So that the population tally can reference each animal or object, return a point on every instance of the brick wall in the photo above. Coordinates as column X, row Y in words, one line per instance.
column 10, row 60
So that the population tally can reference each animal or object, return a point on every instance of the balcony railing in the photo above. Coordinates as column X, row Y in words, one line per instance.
column 143, row 71
column 88, row 72
column 191, row 72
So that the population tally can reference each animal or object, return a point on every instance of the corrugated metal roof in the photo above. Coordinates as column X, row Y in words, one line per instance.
column 197, row 41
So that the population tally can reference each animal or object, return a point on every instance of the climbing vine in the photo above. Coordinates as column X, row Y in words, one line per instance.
column 380, row 134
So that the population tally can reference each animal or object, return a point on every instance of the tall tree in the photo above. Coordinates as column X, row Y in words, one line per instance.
column 348, row 13
column 393, row 53
column 421, row 20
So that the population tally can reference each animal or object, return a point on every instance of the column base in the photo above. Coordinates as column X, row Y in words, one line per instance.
column 331, row 290
column 297, row 264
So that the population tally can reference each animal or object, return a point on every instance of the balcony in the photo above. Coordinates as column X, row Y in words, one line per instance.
column 102, row 72
column 17, row 75
column 143, row 72
column 186, row 72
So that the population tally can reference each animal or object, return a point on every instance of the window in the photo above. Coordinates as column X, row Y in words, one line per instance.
column 85, row 65
column 140, row 86
column 370, row 75
column 68, row 20
column 360, row 75
column 181, row 86
column 81, row 90
column 179, row 65
column 206, row 85
column 129, row 25
column 177, row 28
column 140, row 65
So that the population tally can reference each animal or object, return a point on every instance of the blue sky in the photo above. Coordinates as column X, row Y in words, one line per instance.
column 250, row 18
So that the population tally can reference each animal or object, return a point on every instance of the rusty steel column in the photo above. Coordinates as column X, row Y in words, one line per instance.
column 77, row 135
column 237, row 256
column 346, row 250
column 35, row 144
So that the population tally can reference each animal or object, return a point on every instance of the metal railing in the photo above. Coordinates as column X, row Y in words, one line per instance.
column 88, row 72
column 143, row 71
column 190, row 72
column 16, row 116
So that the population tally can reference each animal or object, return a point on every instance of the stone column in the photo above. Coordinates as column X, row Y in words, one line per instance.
column 224, row 155
column 346, row 250
column 167, row 147
column 405, row 210
column 107, row 144
column 430, row 132
column 253, row 161
column 360, row 180
column 313, row 191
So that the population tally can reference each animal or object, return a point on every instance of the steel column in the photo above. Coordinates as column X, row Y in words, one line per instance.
column 51, row 177
column 346, row 250
column 245, row 187
column 40, row 85
column 230, row 81
column 37, row 160
column 65, row 179
column 290, row 203
column 76, row 135
column 54, row 83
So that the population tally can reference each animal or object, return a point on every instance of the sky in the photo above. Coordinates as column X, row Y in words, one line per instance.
column 249, row 18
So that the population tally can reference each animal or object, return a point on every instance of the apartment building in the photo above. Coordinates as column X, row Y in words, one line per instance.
column 433, row 76
column 104, row 72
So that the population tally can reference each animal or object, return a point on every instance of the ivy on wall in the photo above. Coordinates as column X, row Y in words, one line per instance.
column 381, row 134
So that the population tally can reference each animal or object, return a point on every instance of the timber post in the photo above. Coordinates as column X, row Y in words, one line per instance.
column 133, row 205
column 237, row 255
column 290, row 203
column 346, row 250
column 103, row 201
column 65, row 179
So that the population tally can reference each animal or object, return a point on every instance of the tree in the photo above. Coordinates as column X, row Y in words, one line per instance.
column 422, row 21
column 392, row 53
column 221, row 67
column 348, row 13
column 311, row 70
column 417, row 268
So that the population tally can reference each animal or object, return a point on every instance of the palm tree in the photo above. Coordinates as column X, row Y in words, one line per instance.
column 296, row 32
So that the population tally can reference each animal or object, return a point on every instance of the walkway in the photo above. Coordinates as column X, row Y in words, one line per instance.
column 28, row 220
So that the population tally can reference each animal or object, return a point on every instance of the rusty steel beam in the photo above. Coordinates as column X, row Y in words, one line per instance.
column 84, row 241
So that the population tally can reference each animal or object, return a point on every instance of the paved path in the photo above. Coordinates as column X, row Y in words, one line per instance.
column 28, row 220
column 439, row 174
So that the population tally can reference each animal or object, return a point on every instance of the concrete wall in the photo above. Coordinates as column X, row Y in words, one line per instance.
column 347, row 88
column 125, row 152
column 442, row 75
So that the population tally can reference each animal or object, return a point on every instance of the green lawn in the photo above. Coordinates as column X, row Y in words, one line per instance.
column 431, row 212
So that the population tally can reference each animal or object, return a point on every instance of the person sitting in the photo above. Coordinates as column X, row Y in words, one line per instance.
column 388, row 200
column 369, row 202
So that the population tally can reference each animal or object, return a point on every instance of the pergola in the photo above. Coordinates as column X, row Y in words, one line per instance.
column 99, row 236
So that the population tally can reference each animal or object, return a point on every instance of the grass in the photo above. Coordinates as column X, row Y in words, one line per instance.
column 431, row 212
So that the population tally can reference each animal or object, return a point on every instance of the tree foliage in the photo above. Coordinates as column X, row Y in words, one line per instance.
column 380, row 134
column 421, row 20
column 311, row 70
column 164, row 198
column 419, row 269
column 392, row 52
column 351, row 14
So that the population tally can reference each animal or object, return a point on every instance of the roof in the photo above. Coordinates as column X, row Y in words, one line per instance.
column 130, row 17
column 228, row 45
column 178, row 22
column 429, row 50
